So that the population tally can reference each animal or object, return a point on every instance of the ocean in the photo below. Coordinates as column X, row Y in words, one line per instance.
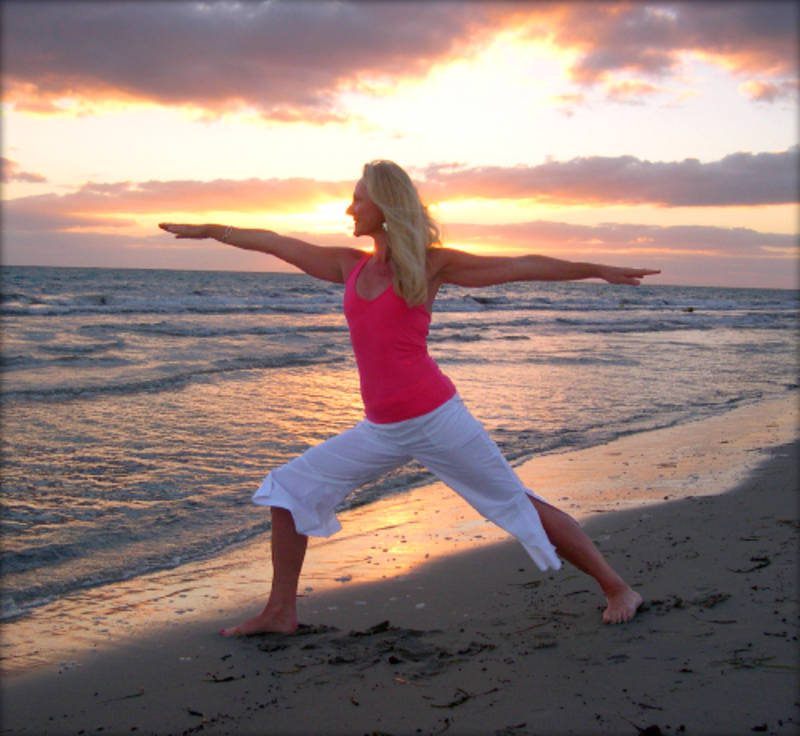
column 142, row 408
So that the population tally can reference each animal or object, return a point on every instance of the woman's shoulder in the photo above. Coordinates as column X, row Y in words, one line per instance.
column 439, row 255
column 439, row 258
column 350, row 258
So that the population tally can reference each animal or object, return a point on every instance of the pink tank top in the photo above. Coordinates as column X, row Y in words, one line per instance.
column 399, row 380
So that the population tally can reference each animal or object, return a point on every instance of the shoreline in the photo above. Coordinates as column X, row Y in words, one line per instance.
column 389, row 539
column 481, row 643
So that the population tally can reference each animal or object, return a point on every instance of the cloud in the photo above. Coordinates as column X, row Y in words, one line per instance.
column 35, row 217
column 650, row 240
column 630, row 90
column 11, row 172
column 762, row 91
column 97, row 204
column 688, row 255
column 105, row 250
column 737, row 179
column 287, row 60
column 569, row 100
column 290, row 61
column 653, row 38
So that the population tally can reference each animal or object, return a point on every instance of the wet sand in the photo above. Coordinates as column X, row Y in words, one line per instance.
column 477, row 642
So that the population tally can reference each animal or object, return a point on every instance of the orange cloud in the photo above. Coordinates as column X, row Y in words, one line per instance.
column 94, row 203
column 763, row 91
column 629, row 90
column 737, row 179
column 11, row 171
column 627, row 238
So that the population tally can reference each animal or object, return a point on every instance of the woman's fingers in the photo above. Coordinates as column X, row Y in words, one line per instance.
column 184, row 231
column 623, row 275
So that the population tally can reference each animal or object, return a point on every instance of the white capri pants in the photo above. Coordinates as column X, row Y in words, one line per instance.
column 448, row 441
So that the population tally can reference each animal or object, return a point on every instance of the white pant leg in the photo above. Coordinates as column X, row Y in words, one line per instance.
column 456, row 447
column 312, row 485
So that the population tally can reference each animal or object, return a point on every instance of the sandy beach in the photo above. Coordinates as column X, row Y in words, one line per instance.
column 428, row 621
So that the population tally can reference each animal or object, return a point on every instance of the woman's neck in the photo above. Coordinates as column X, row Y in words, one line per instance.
column 382, row 254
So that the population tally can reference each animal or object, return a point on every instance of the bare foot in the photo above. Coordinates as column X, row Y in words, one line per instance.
column 622, row 606
column 267, row 622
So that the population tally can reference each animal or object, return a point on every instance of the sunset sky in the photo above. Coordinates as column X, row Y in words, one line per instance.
column 656, row 134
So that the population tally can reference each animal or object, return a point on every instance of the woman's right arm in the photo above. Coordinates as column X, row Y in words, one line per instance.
column 328, row 264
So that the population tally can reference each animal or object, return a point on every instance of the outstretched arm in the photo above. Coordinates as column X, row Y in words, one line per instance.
column 466, row 269
column 329, row 264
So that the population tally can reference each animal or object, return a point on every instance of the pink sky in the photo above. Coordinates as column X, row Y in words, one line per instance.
column 640, row 133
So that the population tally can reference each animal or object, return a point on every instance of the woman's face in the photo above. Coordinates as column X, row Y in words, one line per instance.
column 367, row 217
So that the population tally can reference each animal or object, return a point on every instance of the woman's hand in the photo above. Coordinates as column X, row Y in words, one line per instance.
column 187, row 231
column 623, row 275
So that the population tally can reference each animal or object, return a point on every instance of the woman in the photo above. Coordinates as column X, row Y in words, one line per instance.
column 412, row 409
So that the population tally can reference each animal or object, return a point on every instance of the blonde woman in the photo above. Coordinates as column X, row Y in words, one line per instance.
column 412, row 409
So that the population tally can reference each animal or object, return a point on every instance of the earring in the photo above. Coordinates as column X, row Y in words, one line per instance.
column 385, row 226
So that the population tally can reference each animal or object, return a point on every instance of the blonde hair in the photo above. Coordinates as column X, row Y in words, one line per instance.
column 412, row 231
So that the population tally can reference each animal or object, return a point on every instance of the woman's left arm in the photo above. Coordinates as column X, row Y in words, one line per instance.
column 465, row 269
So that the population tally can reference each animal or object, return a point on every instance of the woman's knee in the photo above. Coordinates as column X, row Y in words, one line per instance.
column 281, row 515
column 549, row 512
